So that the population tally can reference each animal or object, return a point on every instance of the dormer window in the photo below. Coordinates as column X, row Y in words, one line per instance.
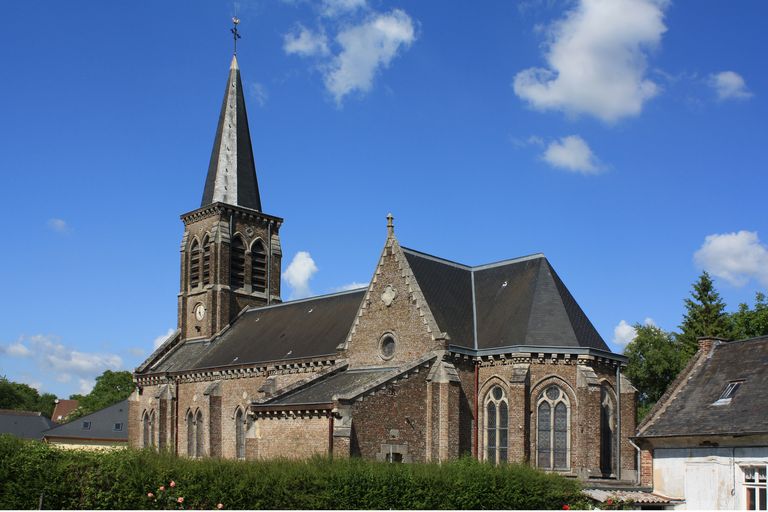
column 730, row 389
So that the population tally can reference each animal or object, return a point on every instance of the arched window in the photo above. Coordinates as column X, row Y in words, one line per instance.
column 258, row 267
column 552, row 440
column 496, row 426
column 240, row 434
column 190, row 434
column 199, row 434
column 152, row 428
column 194, row 264
column 146, row 439
column 607, row 431
column 206, row 261
column 237, row 263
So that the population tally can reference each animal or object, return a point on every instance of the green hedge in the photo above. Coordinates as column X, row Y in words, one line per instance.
column 122, row 479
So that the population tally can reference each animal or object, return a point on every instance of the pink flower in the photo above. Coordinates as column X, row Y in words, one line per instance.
column 150, row 495
column 180, row 499
column 162, row 487
column 220, row 506
column 609, row 501
column 172, row 484
column 566, row 507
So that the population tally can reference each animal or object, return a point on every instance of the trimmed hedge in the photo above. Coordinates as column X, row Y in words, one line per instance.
column 122, row 479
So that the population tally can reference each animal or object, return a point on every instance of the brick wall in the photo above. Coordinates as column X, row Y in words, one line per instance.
column 291, row 437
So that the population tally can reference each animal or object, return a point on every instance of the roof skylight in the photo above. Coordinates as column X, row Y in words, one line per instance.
column 730, row 389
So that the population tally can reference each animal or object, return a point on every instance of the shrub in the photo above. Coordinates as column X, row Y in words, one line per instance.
column 124, row 479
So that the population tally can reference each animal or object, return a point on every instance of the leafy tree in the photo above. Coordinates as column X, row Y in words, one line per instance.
column 705, row 316
column 750, row 323
column 655, row 360
column 111, row 387
column 21, row 397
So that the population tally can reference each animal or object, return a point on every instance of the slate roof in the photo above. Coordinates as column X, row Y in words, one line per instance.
column 232, row 173
column 323, row 391
column 691, row 411
column 24, row 424
column 520, row 302
column 102, row 425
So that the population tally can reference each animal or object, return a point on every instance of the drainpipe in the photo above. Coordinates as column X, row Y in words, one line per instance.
column 269, row 263
column 477, row 397
column 330, row 435
column 618, row 421
column 637, row 449
column 176, row 418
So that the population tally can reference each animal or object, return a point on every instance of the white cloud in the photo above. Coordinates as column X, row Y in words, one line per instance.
column 136, row 351
column 624, row 333
column 354, row 285
column 18, row 350
column 729, row 85
column 63, row 378
column 303, row 41
column 161, row 339
column 299, row 272
column 735, row 257
column 258, row 92
column 572, row 153
column 331, row 8
column 58, row 225
column 596, row 57
column 366, row 48
column 86, row 386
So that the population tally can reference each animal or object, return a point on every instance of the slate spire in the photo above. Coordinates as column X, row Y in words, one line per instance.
column 232, row 172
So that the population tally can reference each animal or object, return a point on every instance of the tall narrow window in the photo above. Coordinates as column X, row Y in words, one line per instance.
column 240, row 434
column 496, row 426
column 190, row 434
column 237, row 263
column 199, row 434
column 754, row 485
column 145, row 430
column 152, row 428
column 553, row 428
column 194, row 265
column 607, row 432
column 206, row 261
column 258, row 267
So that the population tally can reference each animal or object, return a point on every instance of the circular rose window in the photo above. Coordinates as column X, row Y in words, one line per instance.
column 387, row 346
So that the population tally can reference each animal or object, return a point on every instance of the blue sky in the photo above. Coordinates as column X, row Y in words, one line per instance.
column 625, row 139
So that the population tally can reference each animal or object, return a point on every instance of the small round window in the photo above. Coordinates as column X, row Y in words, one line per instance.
column 387, row 346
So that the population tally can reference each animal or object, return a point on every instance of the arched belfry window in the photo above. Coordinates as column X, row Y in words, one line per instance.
column 237, row 263
column 206, row 261
column 607, row 431
column 553, row 429
column 240, row 428
column 199, row 434
column 496, row 426
column 194, row 264
column 258, row 267
column 190, row 434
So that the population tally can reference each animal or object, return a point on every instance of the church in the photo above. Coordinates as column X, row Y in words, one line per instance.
column 432, row 361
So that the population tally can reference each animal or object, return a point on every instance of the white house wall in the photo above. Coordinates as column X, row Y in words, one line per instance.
column 708, row 477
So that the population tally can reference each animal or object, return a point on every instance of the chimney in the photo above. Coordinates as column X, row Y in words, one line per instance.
column 706, row 343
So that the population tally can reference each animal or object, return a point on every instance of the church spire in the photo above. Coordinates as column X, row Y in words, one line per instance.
column 232, row 172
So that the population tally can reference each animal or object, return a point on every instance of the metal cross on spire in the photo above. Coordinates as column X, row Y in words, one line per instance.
column 235, row 34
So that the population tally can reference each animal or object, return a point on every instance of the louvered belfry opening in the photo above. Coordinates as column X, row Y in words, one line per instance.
column 259, row 267
column 237, row 264
column 206, row 262
column 194, row 265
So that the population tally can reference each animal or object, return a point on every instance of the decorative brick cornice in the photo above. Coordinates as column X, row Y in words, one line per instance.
column 217, row 209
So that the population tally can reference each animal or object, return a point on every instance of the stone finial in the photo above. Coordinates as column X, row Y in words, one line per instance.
column 390, row 225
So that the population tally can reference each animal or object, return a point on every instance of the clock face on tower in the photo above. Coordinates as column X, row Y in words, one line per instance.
column 200, row 311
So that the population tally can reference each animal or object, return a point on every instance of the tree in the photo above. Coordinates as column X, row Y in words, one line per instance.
column 750, row 323
column 111, row 387
column 654, row 361
column 21, row 397
column 705, row 316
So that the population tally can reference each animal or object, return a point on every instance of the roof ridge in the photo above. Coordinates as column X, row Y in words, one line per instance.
column 436, row 258
column 473, row 268
column 306, row 299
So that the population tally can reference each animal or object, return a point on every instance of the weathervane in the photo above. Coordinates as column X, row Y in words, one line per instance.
column 235, row 34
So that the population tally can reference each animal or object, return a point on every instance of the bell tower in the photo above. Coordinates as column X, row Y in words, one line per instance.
column 230, row 252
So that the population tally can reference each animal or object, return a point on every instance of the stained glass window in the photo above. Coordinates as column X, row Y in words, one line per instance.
column 496, row 426
column 552, row 440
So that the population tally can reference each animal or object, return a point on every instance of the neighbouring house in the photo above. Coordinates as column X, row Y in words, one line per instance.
column 705, row 442
column 63, row 409
column 431, row 360
column 106, row 429
column 24, row 424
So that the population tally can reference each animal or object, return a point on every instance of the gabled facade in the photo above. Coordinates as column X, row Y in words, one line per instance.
column 431, row 361
column 705, row 443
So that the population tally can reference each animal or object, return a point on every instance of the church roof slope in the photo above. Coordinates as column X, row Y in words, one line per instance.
column 232, row 172
column 97, row 425
column 24, row 424
column 696, row 409
column 339, row 384
column 292, row 330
